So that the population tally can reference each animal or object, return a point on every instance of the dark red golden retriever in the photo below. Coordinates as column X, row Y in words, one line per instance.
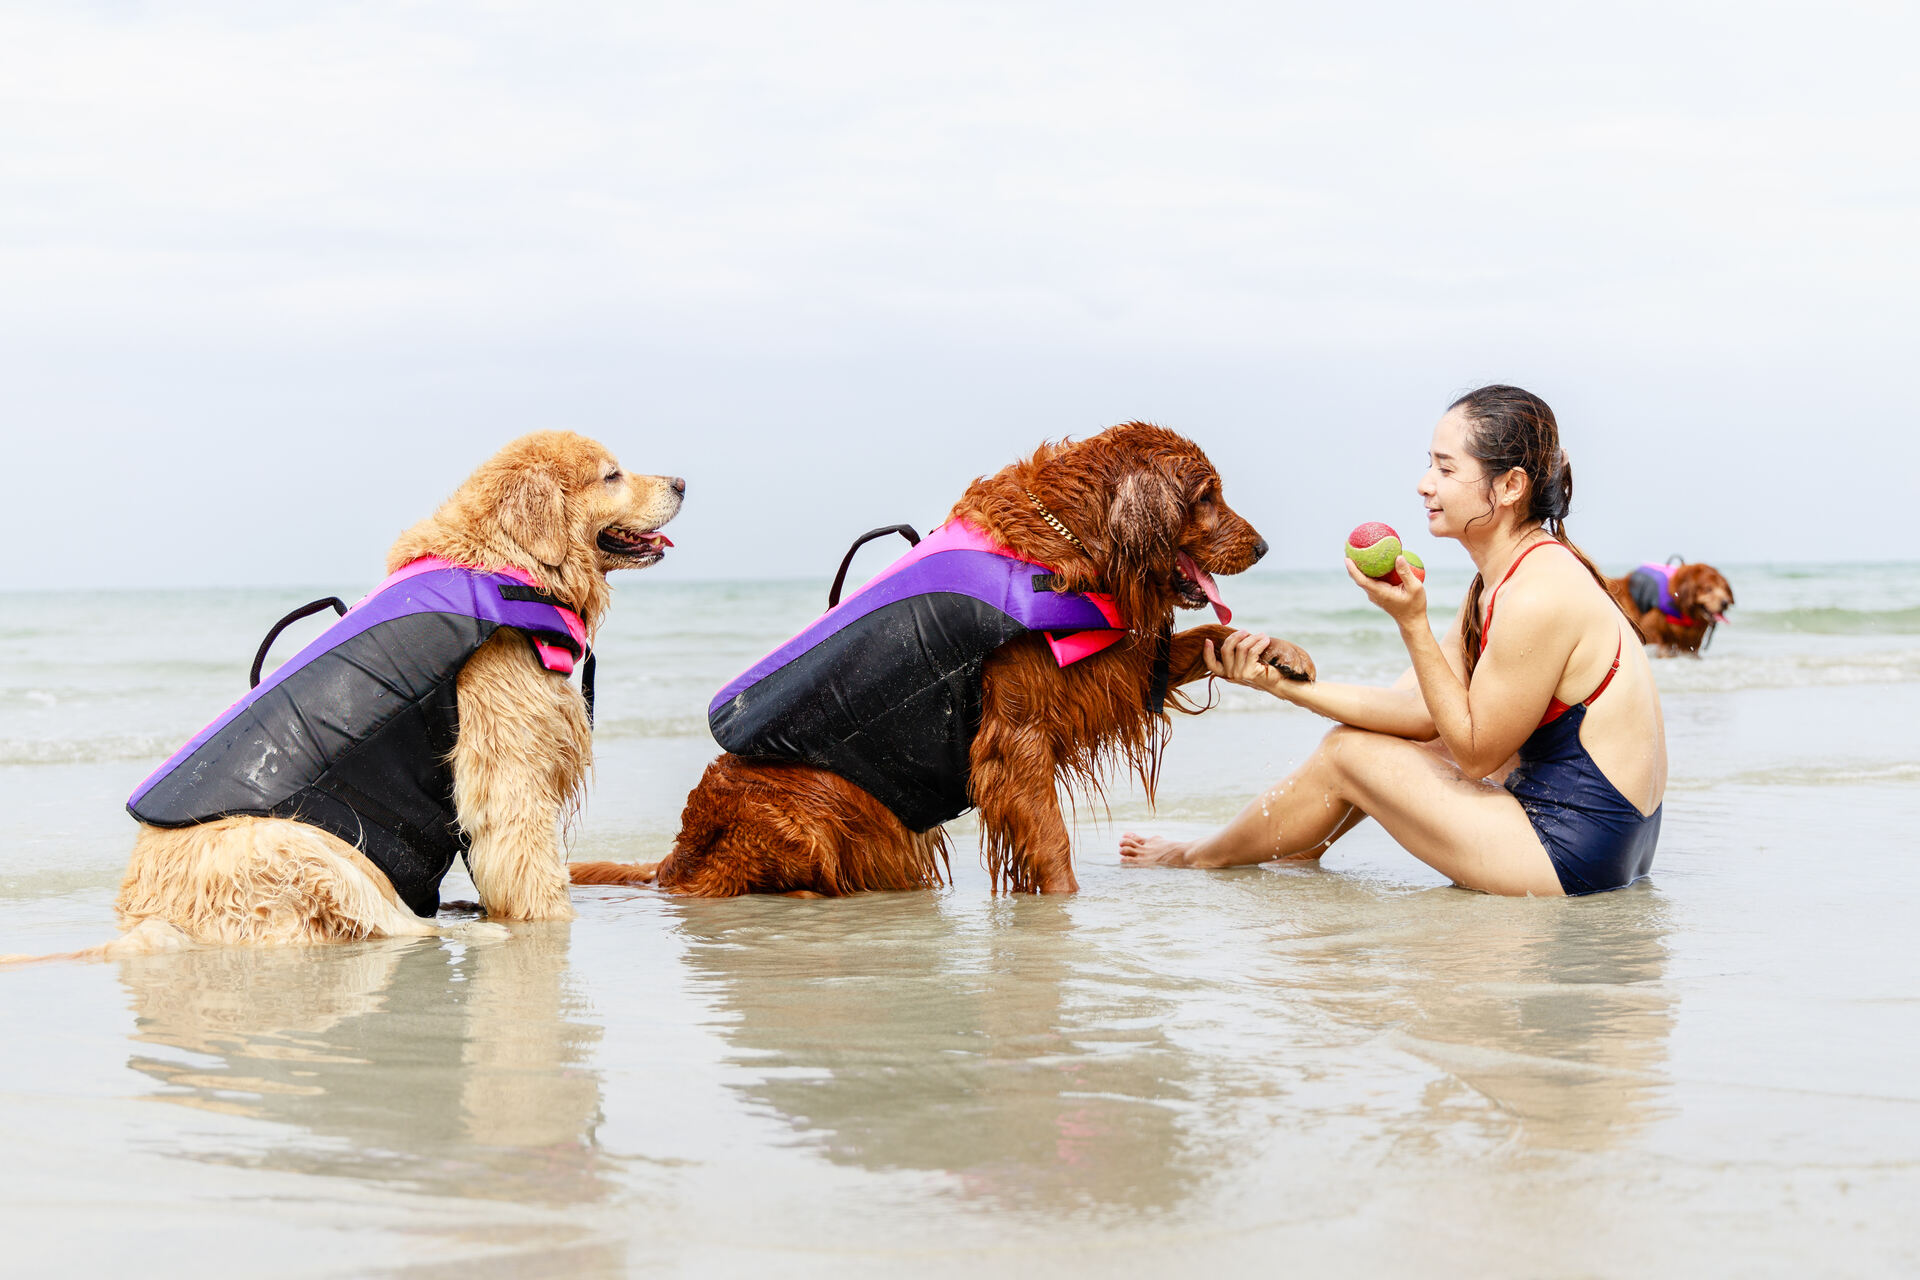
column 1677, row 605
column 1134, row 513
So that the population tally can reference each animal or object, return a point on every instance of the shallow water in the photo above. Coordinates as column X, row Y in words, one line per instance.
column 1353, row 1067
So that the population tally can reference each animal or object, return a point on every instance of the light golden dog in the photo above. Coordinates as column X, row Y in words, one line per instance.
column 558, row 508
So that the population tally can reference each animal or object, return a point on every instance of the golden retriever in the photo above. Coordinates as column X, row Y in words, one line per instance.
column 553, row 510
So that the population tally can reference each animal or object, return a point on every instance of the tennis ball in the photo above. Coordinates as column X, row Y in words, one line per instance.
column 1392, row 577
column 1373, row 547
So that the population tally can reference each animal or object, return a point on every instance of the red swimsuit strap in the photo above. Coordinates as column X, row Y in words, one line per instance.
column 1494, row 599
column 1555, row 707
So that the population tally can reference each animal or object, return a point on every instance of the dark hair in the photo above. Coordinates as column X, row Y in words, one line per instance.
column 1509, row 429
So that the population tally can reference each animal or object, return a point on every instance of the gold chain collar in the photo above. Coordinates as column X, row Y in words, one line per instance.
column 1054, row 522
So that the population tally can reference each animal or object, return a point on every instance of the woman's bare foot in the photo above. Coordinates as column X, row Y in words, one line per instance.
column 1154, row 851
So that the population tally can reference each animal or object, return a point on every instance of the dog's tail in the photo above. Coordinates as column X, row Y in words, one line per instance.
column 149, row 937
column 612, row 872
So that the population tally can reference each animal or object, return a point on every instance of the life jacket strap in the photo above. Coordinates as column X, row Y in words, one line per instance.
column 307, row 610
column 906, row 531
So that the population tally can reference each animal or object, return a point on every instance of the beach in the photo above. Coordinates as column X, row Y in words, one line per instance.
column 1350, row 1068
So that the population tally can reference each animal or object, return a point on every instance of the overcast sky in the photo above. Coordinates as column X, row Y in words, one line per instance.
column 274, row 277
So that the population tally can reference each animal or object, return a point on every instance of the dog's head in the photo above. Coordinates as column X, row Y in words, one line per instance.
column 1146, row 506
column 557, row 505
column 1701, row 592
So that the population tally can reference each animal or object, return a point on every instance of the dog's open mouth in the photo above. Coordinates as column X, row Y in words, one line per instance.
column 633, row 544
column 1195, row 588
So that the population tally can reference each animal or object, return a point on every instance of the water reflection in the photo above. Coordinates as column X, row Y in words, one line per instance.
column 1548, row 1021
column 894, row 1033
column 453, row 1070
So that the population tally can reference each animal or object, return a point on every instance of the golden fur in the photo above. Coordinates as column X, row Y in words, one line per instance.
column 553, row 504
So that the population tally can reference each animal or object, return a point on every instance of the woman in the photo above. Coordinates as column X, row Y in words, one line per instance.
column 1561, row 680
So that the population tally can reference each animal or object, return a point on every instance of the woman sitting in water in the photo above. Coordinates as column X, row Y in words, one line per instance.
column 1562, row 681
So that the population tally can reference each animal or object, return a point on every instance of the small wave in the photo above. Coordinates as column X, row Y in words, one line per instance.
column 1835, row 621
column 1807, row 776
column 28, row 751
column 681, row 726
column 1729, row 673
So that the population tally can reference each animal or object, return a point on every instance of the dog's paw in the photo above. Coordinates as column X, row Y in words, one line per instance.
column 1291, row 661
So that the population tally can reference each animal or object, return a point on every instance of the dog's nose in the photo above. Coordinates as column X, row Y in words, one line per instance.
column 679, row 485
column 1259, row 550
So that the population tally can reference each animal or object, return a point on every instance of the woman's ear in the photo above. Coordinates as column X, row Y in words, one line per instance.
column 1511, row 488
column 533, row 512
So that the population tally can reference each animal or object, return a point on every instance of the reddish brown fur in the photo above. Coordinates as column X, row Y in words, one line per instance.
column 1135, row 495
column 1700, row 591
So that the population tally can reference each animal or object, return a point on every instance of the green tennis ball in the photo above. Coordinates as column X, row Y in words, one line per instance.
column 1373, row 547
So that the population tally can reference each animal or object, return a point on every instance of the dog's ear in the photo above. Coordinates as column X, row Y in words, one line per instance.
column 533, row 512
column 1686, row 588
column 1143, row 521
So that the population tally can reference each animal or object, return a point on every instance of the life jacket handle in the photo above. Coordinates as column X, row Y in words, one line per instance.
column 304, row 611
column 840, row 579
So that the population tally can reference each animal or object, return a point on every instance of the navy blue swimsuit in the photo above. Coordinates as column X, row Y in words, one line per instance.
column 1597, row 838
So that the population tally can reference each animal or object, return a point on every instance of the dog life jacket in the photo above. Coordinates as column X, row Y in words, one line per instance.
column 884, row 689
column 354, row 734
column 1651, row 586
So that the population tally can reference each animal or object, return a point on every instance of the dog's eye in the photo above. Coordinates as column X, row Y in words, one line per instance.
column 612, row 477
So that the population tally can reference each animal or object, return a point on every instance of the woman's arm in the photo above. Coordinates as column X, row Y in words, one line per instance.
column 1484, row 723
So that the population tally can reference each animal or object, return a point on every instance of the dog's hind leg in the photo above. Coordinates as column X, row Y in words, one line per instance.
column 260, row 880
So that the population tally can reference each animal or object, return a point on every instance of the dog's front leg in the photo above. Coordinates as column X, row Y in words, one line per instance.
column 1187, row 657
column 522, row 755
column 1013, row 765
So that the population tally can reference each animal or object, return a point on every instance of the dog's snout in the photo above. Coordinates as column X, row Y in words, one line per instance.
column 1259, row 550
column 679, row 485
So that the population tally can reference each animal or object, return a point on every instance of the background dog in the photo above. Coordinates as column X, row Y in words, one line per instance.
column 1698, row 599
column 553, row 505
column 1128, row 506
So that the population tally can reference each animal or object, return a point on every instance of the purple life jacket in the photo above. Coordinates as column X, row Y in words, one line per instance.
column 1651, row 586
column 884, row 689
column 354, row 734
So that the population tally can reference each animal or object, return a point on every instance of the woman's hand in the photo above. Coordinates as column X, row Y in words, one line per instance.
column 1240, row 660
column 1406, row 603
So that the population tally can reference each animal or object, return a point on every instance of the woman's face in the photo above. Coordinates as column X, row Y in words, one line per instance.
column 1454, row 487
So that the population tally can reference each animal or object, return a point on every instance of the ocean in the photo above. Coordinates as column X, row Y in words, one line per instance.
column 1350, row 1068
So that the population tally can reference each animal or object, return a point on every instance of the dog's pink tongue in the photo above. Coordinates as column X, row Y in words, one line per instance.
column 1205, row 579
column 1721, row 618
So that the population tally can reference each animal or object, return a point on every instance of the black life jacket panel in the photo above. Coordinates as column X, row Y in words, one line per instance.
column 355, row 733
column 884, row 689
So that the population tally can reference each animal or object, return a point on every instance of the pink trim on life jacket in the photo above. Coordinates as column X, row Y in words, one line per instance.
column 552, row 656
column 960, row 535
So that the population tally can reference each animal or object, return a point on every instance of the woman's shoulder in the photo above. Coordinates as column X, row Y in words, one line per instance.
column 1555, row 579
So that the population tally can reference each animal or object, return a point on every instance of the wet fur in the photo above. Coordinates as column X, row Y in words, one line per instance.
column 1699, row 591
column 520, row 761
column 1136, row 495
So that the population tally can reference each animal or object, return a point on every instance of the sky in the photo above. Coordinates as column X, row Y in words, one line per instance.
column 275, row 277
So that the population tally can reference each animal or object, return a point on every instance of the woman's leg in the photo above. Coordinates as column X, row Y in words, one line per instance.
column 1474, row 833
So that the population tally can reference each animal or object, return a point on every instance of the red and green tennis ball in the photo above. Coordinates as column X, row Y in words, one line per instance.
column 1373, row 547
